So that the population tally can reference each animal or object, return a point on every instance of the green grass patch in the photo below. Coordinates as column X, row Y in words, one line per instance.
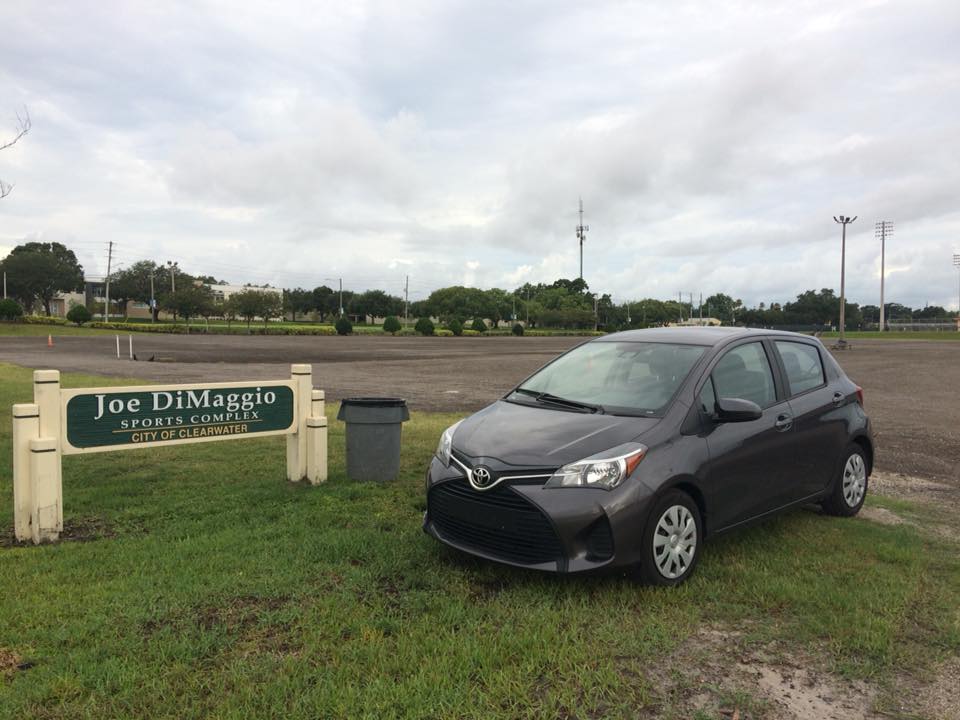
column 25, row 330
column 895, row 335
column 198, row 582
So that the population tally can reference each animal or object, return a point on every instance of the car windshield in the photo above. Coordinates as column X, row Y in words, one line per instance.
column 621, row 378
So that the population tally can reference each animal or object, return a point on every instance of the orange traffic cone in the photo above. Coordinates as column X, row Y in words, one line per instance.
column 49, row 340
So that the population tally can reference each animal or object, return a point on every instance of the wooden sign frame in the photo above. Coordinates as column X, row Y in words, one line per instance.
column 41, row 437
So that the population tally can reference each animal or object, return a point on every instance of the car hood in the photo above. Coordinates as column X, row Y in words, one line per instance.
column 519, row 434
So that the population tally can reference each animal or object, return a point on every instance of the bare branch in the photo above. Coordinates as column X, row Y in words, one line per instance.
column 23, row 127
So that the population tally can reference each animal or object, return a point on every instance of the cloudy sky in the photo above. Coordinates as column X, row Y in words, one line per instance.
column 293, row 144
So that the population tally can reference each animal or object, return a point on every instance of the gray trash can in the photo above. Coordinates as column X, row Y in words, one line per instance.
column 373, row 436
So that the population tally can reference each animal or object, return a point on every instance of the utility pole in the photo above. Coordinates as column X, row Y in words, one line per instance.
column 581, row 236
column 341, row 296
column 884, row 228
column 173, row 283
column 527, row 305
column 106, row 305
column 843, row 220
column 594, row 312
column 4, row 284
column 153, row 300
column 701, row 308
column 406, row 298
column 956, row 264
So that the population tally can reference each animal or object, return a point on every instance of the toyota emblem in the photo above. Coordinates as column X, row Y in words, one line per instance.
column 480, row 477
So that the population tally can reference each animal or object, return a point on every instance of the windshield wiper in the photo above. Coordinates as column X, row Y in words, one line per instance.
column 545, row 397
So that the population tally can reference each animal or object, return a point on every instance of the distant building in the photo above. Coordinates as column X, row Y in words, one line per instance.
column 697, row 322
column 224, row 291
column 95, row 290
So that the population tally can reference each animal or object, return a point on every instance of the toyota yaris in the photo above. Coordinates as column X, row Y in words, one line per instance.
column 632, row 449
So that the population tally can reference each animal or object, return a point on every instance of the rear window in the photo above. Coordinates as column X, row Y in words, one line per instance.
column 803, row 366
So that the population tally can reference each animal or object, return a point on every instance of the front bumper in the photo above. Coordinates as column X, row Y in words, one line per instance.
column 526, row 525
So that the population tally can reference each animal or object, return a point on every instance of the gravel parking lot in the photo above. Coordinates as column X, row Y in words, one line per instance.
column 910, row 386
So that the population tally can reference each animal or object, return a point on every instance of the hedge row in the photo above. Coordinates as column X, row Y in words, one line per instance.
column 43, row 320
column 238, row 329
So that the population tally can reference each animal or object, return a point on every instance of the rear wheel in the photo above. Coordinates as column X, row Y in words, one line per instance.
column 671, row 540
column 850, row 487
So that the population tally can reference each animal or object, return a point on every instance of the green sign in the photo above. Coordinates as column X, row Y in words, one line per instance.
column 176, row 414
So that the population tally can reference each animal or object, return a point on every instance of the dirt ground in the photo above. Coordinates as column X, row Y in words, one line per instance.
column 910, row 386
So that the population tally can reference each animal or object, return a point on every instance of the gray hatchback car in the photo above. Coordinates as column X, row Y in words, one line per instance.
column 633, row 448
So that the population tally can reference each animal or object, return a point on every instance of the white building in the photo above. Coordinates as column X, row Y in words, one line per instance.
column 224, row 292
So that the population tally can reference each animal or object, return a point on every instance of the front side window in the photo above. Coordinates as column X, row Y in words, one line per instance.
column 744, row 372
column 803, row 365
column 708, row 398
column 629, row 378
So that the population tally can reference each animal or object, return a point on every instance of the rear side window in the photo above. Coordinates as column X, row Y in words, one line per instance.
column 803, row 365
column 745, row 373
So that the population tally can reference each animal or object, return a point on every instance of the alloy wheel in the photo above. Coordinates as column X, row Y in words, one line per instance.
column 675, row 541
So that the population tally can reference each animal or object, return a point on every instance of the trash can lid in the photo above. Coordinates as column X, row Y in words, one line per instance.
column 375, row 402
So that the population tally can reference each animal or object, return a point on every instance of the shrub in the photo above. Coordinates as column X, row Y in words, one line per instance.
column 467, row 332
column 10, row 310
column 479, row 325
column 391, row 325
column 455, row 326
column 424, row 326
column 443, row 332
column 517, row 329
column 343, row 326
column 44, row 320
column 78, row 315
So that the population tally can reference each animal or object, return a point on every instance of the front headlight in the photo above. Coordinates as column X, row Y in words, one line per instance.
column 446, row 444
column 604, row 470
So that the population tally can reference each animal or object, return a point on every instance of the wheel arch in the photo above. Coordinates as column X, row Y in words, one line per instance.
column 689, row 485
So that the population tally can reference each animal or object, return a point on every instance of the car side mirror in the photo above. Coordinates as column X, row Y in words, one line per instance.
column 737, row 410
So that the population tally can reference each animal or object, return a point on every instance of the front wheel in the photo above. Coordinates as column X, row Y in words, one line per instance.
column 671, row 540
column 850, row 488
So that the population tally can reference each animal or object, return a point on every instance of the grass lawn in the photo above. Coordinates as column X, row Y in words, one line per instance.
column 199, row 583
column 895, row 335
column 24, row 330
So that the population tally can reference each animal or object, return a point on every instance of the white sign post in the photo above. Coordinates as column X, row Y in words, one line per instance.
column 66, row 422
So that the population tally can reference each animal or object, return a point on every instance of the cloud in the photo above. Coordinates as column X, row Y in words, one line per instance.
column 450, row 141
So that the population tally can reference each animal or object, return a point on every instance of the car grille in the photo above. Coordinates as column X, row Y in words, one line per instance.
column 498, row 522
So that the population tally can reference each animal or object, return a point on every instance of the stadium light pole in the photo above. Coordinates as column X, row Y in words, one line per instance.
column 843, row 220
column 884, row 228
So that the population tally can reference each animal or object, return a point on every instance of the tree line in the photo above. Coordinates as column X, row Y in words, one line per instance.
column 37, row 272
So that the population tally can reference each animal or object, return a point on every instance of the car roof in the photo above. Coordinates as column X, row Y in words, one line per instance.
column 709, row 336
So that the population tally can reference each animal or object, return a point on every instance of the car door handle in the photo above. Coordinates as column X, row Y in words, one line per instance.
column 784, row 422
column 838, row 397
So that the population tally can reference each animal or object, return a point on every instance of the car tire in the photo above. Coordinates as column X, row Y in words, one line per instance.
column 671, row 540
column 850, row 484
